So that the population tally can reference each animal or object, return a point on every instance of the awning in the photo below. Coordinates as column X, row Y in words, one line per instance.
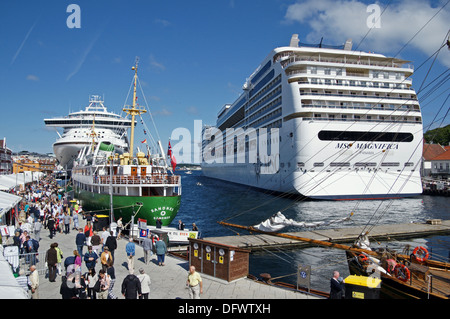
column 8, row 201
column 12, row 180
column 9, row 287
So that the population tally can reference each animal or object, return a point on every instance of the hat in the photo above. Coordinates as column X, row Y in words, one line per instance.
column 141, row 270
column 105, row 248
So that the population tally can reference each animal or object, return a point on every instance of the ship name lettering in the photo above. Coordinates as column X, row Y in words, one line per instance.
column 369, row 146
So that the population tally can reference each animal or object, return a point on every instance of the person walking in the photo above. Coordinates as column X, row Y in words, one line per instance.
column 130, row 249
column 161, row 250
column 105, row 256
column 34, row 282
column 90, row 258
column 51, row 226
column 104, row 284
column 76, row 223
column 88, row 233
column 111, row 243
column 91, row 278
column 195, row 283
column 147, row 246
column 131, row 287
column 336, row 286
column 145, row 281
column 119, row 227
column 96, row 243
column 31, row 247
column 37, row 230
column 51, row 258
column 59, row 258
column 80, row 241
column 112, row 274
column 67, row 219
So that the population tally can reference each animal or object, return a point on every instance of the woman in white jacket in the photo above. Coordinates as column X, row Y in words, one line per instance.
column 145, row 284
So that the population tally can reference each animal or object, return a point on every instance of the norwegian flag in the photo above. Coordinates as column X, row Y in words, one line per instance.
column 173, row 161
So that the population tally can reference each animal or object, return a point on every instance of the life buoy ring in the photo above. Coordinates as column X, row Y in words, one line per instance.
column 402, row 272
column 421, row 251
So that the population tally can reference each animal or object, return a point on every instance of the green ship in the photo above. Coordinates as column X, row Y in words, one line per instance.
column 141, row 187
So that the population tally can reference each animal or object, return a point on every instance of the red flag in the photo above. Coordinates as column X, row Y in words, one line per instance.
column 173, row 161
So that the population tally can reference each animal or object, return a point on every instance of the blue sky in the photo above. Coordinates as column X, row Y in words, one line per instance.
column 194, row 55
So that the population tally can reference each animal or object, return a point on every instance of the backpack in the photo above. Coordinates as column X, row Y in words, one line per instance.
column 35, row 244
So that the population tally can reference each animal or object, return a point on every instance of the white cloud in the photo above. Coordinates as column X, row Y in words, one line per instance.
column 339, row 20
column 156, row 64
column 32, row 77
column 162, row 112
column 162, row 22
column 192, row 110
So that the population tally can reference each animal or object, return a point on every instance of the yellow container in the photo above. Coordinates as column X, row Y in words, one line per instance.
column 362, row 287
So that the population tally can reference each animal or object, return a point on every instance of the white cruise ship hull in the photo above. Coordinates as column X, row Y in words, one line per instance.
column 349, row 125
column 342, row 175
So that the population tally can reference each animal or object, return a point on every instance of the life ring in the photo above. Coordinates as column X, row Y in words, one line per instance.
column 402, row 272
column 421, row 251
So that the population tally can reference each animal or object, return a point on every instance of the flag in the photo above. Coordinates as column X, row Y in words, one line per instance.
column 144, row 141
column 173, row 161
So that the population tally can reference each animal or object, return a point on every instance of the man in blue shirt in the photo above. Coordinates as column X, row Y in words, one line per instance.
column 130, row 250
column 80, row 240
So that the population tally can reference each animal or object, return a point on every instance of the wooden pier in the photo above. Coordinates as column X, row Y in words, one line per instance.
column 387, row 232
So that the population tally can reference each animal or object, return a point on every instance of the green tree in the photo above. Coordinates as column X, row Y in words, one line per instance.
column 439, row 135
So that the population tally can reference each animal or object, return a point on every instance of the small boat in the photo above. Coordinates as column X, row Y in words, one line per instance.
column 402, row 276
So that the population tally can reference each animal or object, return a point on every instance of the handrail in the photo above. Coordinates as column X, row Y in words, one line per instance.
column 153, row 179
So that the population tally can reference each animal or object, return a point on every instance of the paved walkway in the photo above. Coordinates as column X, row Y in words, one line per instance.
column 168, row 282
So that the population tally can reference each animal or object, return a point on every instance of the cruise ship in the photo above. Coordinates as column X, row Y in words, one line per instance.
column 77, row 130
column 323, row 122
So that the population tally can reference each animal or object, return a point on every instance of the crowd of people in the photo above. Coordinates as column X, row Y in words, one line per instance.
column 44, row 207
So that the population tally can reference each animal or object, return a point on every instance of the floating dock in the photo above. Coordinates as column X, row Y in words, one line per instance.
column 258, row 241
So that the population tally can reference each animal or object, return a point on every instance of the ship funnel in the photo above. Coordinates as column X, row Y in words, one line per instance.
column 294, row 41
column 348, row 45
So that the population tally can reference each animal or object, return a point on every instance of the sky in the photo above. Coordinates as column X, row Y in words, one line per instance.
column 194, row 56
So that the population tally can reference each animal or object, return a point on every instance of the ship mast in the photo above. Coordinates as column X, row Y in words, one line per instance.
column 133, row 111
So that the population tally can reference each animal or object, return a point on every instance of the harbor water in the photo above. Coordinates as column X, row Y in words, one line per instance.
column 206, row 201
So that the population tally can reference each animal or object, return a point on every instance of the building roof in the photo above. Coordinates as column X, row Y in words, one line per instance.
column 430, row 151
column 442, row 157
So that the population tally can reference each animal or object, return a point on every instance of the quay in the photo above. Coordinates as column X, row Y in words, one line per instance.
column 167, row 282
column 258, row 241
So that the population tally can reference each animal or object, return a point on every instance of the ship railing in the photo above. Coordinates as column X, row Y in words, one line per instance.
column 153, row 179
column 344, row 61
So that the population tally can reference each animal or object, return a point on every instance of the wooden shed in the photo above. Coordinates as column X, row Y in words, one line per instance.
column 218, row 260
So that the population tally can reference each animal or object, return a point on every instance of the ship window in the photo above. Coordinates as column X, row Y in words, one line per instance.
column 365, row 136
column 365, row 164
column 390, row 164
column 409, row 164
column 318, row 164
column 339, row 164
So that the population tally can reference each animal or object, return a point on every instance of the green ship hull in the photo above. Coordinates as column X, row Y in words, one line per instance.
column 153, row 207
